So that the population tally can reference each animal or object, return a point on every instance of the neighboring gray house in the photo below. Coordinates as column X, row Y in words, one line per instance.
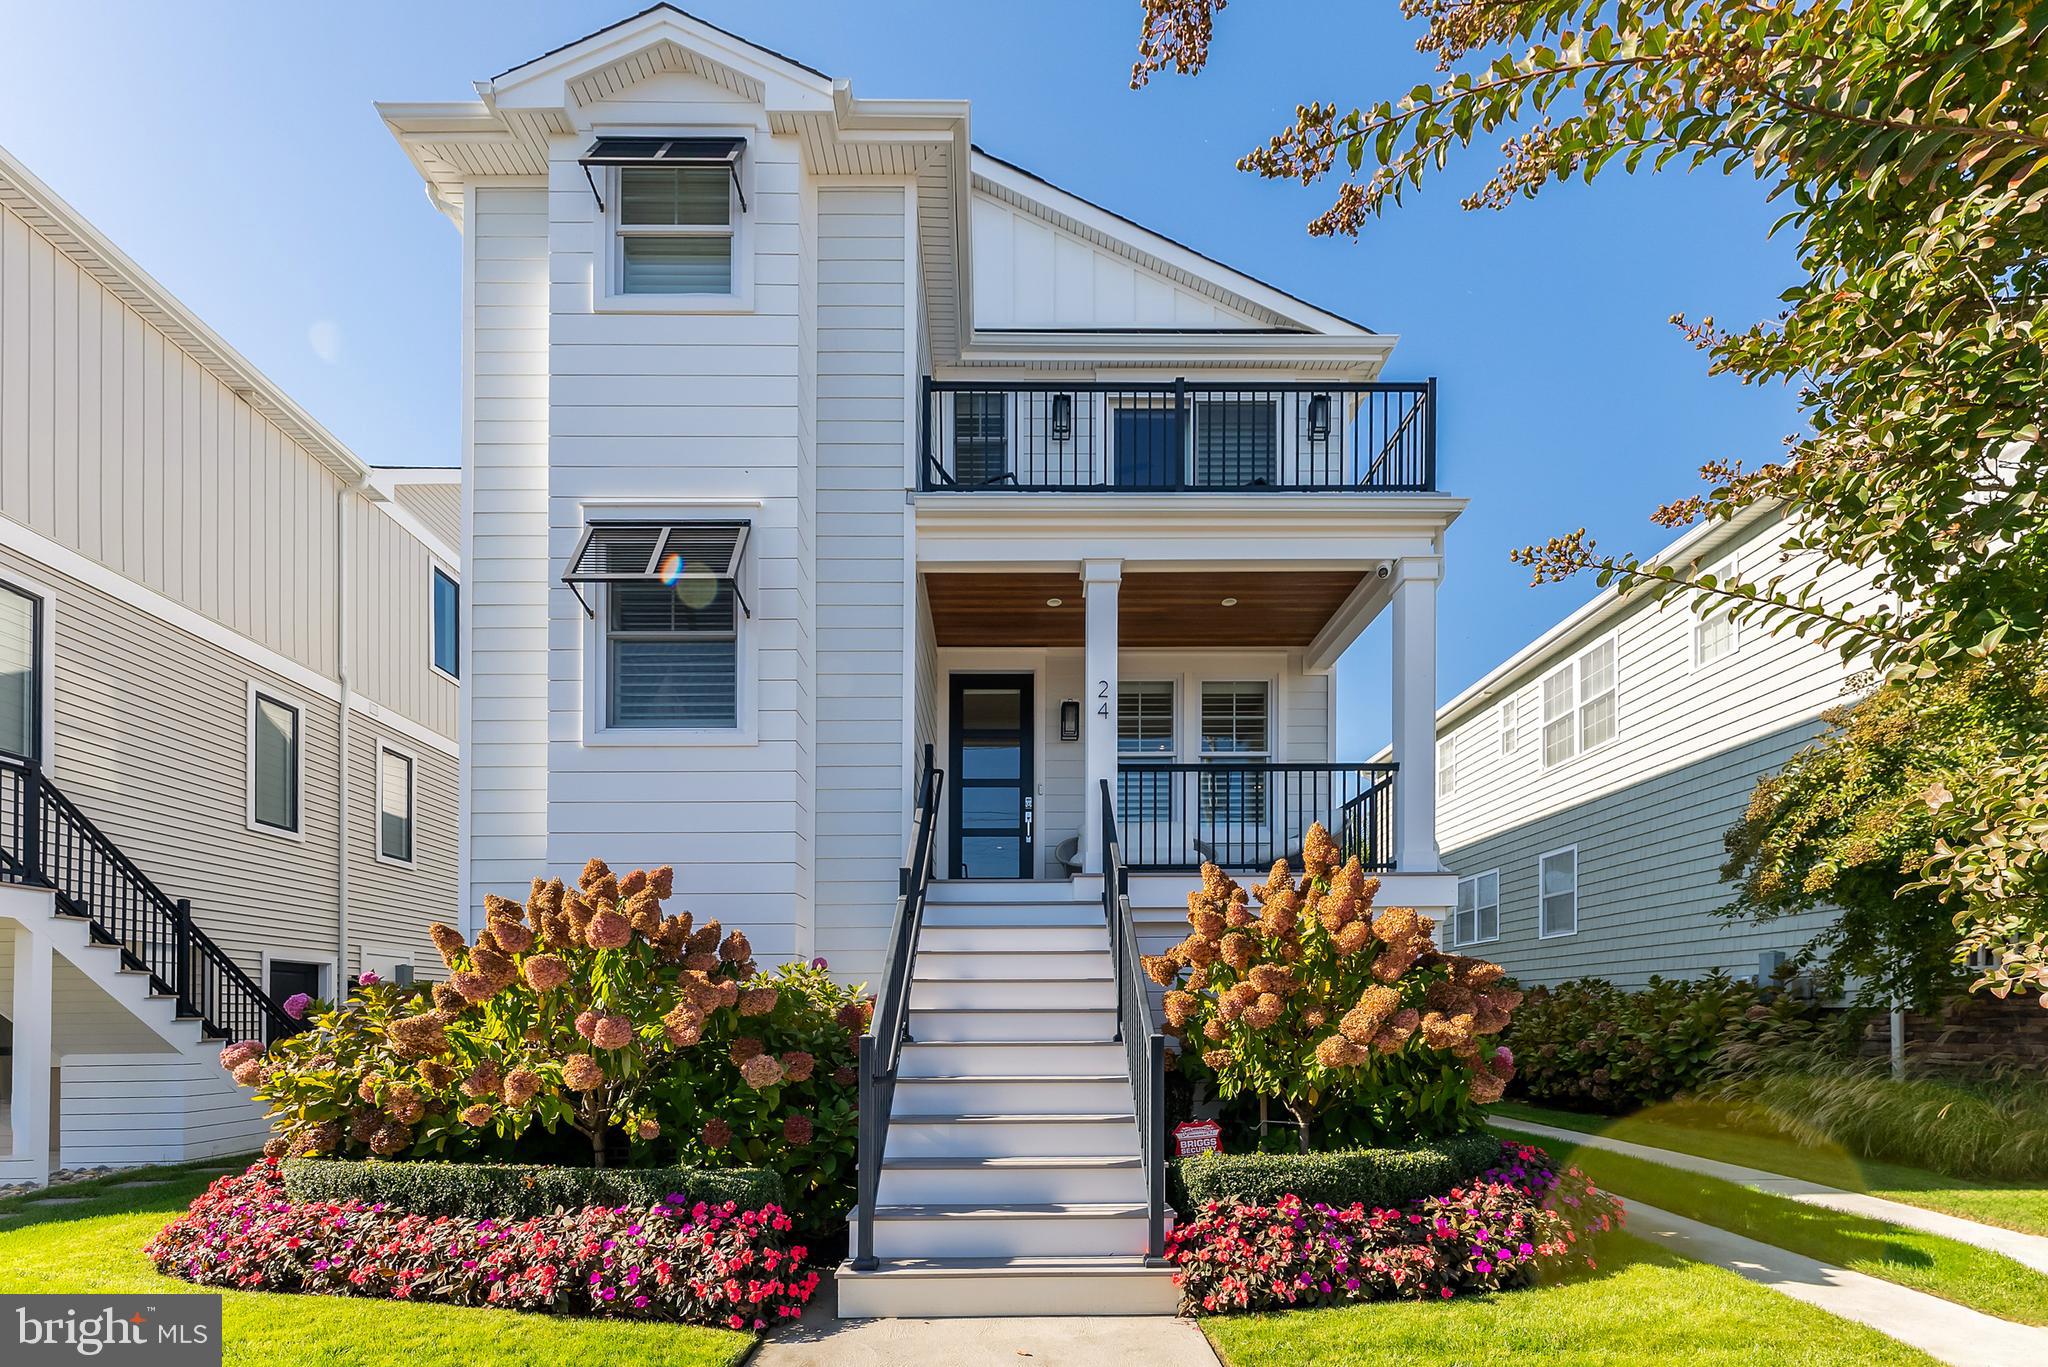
column 1584, row 784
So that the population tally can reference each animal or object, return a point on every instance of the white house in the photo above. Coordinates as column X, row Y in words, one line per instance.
column 1583, row 785
column 803, row 438
column 206, row 603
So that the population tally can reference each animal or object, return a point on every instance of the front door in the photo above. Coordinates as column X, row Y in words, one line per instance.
column 992, row 782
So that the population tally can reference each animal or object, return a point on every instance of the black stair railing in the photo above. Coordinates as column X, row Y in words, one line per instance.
column 1244, row 814
column 1144, row 1045
column 47, row 842
column 881, row 1048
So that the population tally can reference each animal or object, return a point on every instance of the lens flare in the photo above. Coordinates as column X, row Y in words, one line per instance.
column 671, row 568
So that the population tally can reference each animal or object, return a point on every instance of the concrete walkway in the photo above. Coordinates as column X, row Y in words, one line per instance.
column 1942, row 1329
column 2030, row 1250
column 821, row 1340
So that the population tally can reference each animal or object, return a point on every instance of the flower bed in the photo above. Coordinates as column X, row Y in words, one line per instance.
column 514, row 1190
column 1511, row 1224
column 701, row 1264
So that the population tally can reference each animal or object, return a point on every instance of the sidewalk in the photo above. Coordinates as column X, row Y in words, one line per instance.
column 2029, row 1250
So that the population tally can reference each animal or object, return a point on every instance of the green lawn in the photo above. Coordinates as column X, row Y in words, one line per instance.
column 1641, row 1305
column 1926, row 1262
column 97, row 1246
column 1691, row 1129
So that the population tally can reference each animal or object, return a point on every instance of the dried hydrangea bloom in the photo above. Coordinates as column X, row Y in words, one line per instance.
column 736, row 947
column 1238, row 915
column 1489, row 1017
column 390, row 1138
column 1376, row 1006
column 1232, row 1003
column 250, row 1073
column 582, row 1073
column 586, row 1021
column 512, row 936
column 1281, row 915
column 1319, row 853
column 1446, row 1032
column 683, row 1027
column 797, row 1065
column 796, row 1130
column 663, row 881
column 1273, row 978
column 1181, row 1007
column 362, row 1124
column 448, row 940
column 277, row 1146
column 498, row 908
column 544, row 972
column 239, row 1053
column 1397, row 1031
column 702, row 961
column 613, row 1032
column 1237, row 949
column 1216, row 883
column 593, row 871
column 1332, row 913
column 1315, row 1017
column 744, row 1048
column 1160, row 968
column 854, row 1016
column 366, row 1090
column 632, row 883
column 704, row 939
column 1485, row 1088
column 1213, row 1030
column 1217, row 1059
column 1208, row 923
column 483, row 1080
column 1264, row 1013
column 761, row 1071
column 1339, row 1052
column 404, row 1105
column 757, row 1001
column 436, row 1074
column 477, row 1113
column 1200, row 952
column 729, row 992
column 420, row 1036
column 717, row 1134
column 845, row 1075
column 577, row 911
column 1198, row 979
column 608, row 930
column 1352, row 938
column 1394, row 961
column 522, row 1085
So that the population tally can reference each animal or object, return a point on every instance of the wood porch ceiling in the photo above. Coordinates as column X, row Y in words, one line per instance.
column 1279, row 608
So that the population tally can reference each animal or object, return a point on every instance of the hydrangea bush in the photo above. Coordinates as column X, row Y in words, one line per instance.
column 715, row 1265
column 1353, row 1020
column 587, row 1013
column 1514, row 1223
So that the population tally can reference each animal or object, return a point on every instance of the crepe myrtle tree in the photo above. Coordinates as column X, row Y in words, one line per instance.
column 1908, row 144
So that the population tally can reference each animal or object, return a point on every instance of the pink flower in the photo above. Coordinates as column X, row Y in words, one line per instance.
column 295, row 1005
column 367, row 978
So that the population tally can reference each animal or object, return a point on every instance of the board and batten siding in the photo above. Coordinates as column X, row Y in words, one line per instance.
column 701, row 411
column 862, row 694
column 1648, row 809
column 506, row 580
column 391, row 636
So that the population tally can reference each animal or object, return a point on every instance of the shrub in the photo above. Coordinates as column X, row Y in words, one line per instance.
column 1354, row 1022
column 722, row 1265
column 1515, row 1222
column 1374, row 1177
column 1591, row 1045
column 502, row 1191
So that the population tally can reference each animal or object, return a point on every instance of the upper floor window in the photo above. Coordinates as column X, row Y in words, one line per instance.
column 675, row 230
column 1507, row 727
column 274, row 763
column 1447, row 766
column 1579, row 704
column 1236, row 442
column 1713, row 635
column 447, row 625
column 394, row 805
column 21, row 673
column 981, row 436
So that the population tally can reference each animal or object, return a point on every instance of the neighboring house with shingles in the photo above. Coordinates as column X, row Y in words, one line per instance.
column 206, row 603
column 1584, row 784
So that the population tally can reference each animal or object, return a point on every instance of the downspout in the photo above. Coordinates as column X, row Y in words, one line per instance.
column 343, row 566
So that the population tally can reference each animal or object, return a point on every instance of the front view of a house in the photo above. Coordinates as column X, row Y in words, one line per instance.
column 804, row 439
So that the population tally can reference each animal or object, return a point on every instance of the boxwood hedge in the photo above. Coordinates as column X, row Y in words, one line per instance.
column 1374, row 1177
column 509, row 1191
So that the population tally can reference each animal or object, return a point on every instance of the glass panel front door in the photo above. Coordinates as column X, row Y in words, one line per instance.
column 1148, row 448
column 993, row 786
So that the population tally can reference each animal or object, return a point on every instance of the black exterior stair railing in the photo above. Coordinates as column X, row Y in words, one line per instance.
column 47, row 842
column 1144, row 1043
column 881, row 1048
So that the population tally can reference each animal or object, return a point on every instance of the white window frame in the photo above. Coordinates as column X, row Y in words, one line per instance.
column 1510, row 735
column 1574, row 670
column 282, row 698
column 611, row 255
column 436, row 568
column 1541, row 860
column 1722, row 574
column 1447, row 766
column 597, row 655
column 1457, row 937
column 412, row 815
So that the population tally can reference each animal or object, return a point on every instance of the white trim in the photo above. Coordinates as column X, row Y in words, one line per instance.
column 1508, row 719
column 296, row 832
column 323, row 962
column 409, row 523
column 434, row 567
column 412, row 804
column 58, row 559
column 1447, row 765
column 1541, row 859
column 46, row 663
column 608, row 294
column 1454, row 938
column 1723, row 611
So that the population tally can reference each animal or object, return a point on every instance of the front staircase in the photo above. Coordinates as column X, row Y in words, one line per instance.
column 1012, row 1178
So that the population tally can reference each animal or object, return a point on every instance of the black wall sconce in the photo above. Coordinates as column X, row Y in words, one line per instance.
column 1070, row 719
column 1319, row 417
column 1062, row 417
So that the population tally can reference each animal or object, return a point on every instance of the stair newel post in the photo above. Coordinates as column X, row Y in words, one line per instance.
column 867, row 1162
column 181, row 944
column 32, row 822
column 1155, row 1160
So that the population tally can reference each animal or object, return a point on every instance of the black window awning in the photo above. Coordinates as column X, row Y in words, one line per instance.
column 658, row 552
column 661, row 151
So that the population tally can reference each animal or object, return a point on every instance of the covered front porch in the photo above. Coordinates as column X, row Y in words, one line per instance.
column 1200, row 688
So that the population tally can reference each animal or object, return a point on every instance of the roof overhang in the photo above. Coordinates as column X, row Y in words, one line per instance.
column 1353, row 356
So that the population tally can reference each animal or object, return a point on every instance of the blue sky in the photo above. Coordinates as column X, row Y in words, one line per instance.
column 232, row 150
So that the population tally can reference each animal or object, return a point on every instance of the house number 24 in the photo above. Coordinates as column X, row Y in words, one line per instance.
column 1102, row 692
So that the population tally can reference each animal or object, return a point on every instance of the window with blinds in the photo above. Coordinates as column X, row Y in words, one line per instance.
column 1144, row 732
column 21, row 690
column 394, row 806
column 1234, row 728
column 673, row 655
column 1236, row 441
column 675, row 226
column 981, row 436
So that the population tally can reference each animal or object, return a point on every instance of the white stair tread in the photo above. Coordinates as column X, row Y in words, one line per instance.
column 1009, row 1011
column 1104, row 1263
column 1086, row 1210
column 1015, row 1161
column 1014, row 1119
column 1016, row 1078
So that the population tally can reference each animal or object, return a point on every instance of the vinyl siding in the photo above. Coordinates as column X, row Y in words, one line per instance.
column 391, row 635
column 437, row 506
column 860, row 571
column 391, row 905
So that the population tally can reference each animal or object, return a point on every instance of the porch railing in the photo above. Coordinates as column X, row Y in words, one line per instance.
column 1244, row 815
column 47, row 842
column 983, row 436
column 882, row 1046
column 1144, row 1044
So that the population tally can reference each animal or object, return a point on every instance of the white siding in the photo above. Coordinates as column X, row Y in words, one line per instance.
column 862, row 693
column 391, row 635
column 437, row 506
column 505, row 583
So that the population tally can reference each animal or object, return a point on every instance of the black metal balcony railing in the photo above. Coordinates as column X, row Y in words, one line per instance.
column 979, row 435
column 1243, row 815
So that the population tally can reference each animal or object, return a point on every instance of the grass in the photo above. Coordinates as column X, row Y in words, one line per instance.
column 1641, row 1305
column 96, row 1246
column 1693, row 1129
column 1958, row 1272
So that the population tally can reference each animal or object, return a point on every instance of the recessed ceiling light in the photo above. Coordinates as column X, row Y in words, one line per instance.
column 1230, row 602
column 1054, row 602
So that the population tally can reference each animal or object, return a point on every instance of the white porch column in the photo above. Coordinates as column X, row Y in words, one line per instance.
column 1414, row 688
column 1101, row 580
column 29, row 1116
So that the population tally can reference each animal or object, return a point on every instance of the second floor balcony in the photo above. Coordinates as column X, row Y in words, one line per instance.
column 981, row 436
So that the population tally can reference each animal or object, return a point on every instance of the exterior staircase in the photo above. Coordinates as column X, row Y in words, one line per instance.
column 1012, row 1180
